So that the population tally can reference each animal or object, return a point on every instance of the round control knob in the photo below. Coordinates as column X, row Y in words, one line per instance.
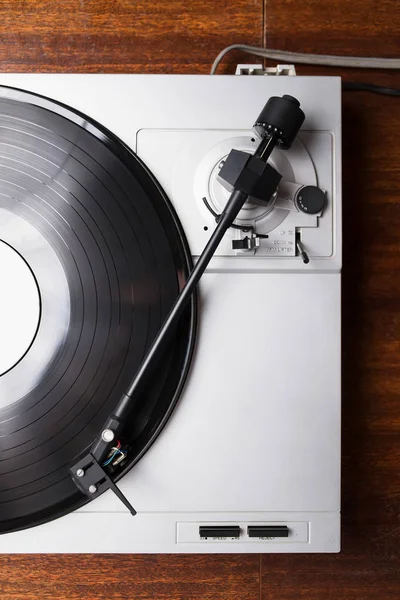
column 310, row 200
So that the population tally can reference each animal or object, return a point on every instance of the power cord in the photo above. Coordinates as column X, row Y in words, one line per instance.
column 310, row 59
column 354, row 86
column 323, row 59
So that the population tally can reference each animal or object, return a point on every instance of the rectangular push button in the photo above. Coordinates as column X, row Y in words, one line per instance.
column 219, row 531
column 261, row 531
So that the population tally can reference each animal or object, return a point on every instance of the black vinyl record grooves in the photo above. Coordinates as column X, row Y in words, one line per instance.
column 109, row 257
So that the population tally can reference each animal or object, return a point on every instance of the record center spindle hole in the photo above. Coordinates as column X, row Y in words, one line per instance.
column 20, row 307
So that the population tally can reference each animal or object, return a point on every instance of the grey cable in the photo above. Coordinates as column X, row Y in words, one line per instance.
column 311, row 59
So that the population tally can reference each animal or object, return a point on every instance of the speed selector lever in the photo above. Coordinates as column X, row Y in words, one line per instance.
column 301, row 251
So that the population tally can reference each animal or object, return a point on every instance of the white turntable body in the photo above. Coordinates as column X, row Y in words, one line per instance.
column 255, row 437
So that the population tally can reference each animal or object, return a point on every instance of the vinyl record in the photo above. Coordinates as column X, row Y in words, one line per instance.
column 92, row 256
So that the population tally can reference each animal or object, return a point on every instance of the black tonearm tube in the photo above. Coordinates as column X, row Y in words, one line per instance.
column 244, row 175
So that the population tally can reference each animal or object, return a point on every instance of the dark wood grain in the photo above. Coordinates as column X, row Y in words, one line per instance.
column 359, row 27
column 368, row 566
column 121, row 577
column 122, row 35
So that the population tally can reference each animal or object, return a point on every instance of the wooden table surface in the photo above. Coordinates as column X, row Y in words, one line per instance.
column 176, row 36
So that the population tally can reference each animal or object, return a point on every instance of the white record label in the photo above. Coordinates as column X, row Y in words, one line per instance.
column 19, row 307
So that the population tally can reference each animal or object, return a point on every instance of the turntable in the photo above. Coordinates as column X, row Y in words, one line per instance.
column 139, row 411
